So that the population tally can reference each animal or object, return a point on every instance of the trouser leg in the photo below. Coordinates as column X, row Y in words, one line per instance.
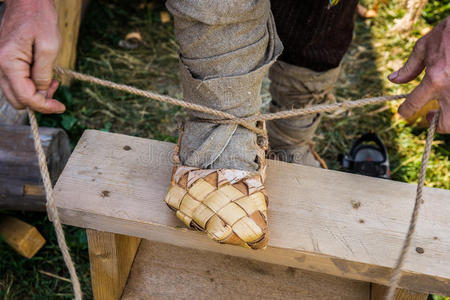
column 226, row 47
column 297, row 87
column 316, row 36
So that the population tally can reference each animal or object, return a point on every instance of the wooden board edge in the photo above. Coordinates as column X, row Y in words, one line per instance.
column 293, row 258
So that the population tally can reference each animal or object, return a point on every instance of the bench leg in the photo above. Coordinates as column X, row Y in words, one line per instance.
column 378, row 292
column 111, row 256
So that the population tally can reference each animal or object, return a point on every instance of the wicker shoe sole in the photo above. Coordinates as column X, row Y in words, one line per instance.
column 229, row 205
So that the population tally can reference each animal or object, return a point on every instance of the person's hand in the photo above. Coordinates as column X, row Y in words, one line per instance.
column 29, row 45
column 432, row 53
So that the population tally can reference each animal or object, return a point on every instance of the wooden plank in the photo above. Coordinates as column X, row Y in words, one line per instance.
column 325, row 221
column 22, row 237
column 111, row 256
column 20, row 178
column 378, row 292
column 69, row 18
column 162, row 271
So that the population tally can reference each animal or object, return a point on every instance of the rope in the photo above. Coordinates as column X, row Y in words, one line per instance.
column 154, row 96
column 396, row 273
column 51, row 207
column 228, row 119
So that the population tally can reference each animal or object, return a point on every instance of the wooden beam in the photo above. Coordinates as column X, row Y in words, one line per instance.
column 378, row 292
column 20, row 178
column 162, row 271
column 325, row 221
column 111, row 256
column 22, row 237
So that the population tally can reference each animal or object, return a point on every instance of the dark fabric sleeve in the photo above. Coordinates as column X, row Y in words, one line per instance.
column 315, row 34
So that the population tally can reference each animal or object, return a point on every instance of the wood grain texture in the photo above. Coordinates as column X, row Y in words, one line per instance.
column 22, row 237
column 69, row 18
column 111, row 256
column 325, row 221
column 162, row 271
column 378, row 292
column 20, row 178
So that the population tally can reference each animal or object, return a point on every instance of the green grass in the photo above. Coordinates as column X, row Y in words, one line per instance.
column 153, row 65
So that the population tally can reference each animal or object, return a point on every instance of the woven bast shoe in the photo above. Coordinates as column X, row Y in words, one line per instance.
column 229, row 205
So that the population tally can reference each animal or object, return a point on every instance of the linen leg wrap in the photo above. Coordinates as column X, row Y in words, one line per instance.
column 226, row 49
column 297, row 87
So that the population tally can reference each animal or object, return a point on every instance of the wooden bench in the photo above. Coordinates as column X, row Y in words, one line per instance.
column 332, row 233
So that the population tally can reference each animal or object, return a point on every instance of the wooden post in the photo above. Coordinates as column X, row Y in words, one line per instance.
column 69, row 18
column 378, row 292
column 22, row 237
column 111, row 256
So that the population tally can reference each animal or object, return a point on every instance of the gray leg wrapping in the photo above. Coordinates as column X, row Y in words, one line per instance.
column 226, row 48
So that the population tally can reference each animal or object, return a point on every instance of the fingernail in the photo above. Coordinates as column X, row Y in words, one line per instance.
column 393, row 75
column 43, row 92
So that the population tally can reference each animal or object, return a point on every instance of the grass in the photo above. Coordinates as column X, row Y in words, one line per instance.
column 153, row 65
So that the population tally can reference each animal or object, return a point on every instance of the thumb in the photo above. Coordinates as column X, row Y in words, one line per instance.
column 413, row 66
column 44, row 58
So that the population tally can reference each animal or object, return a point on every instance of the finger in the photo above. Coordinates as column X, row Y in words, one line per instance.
column 443, row 126
column 413, row 66
column 52, row 88
column 7, row 92
column 45, row 54
column 420, row 96
column 26, row 93
column 444, row 118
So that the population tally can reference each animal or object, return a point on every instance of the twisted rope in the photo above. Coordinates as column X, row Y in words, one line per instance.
column 228, row 119
column 396, row 273
column 51, row 207
column 154, row 96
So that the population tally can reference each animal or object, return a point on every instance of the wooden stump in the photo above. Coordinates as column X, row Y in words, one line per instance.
column 9, row 115
column 20, row 179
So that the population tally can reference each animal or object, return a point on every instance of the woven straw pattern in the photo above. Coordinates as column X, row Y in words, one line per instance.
column 231, row 212
column 229, row 205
